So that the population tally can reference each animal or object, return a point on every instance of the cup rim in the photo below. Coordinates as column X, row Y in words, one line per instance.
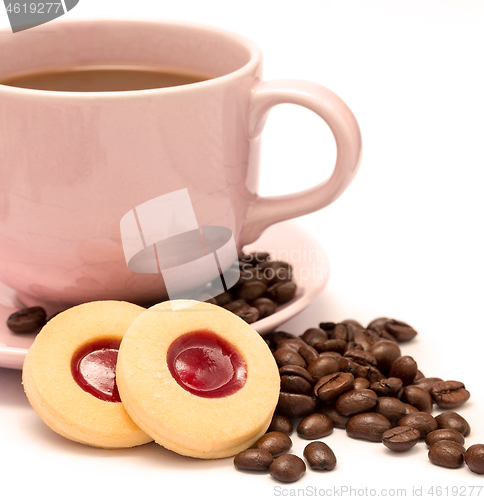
column 255, row 56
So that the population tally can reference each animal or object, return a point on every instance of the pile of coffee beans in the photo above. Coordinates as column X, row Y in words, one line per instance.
column 262, row 286
column 347, row 376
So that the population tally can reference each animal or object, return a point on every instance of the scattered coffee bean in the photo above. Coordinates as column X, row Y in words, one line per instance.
column 339, row 421
column 265, row 306
column 361, row 383
column 400, row 330
column 474, row 458
column 319, row 456
column 295, row 385
column 385, row 353
column 287, row 356
column 418, row 397
column 449, row 394
column 444, row 434
column 323, row 365
column 247, row 313
column 315, row 426
column 356, row 401
column 422, row 421
column 276, row 443
column 391, row 408
column 452, row 420
column 387, row 387
column 27, row 320
column 296, row 370
column 332, row 386
column 253, row 459
column 447, row 454
column 400, row 438
column 427, row 382
column 287, row 468
column 369, row 426
column 251, row 290
column 410, row 409
column 282, row 292
column 280, row 423
column 314, row 335
column 295, row 405
column 404, row 368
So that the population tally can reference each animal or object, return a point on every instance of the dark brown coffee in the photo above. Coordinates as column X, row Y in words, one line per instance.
column 102, row 79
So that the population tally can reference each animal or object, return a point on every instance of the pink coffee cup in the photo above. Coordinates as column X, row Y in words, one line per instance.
column 72, row 164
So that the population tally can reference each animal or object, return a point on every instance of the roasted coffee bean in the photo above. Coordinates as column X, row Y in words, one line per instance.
column 287, row 356
column 27, row 320
column 319, row 456
column 323, row 365
column 296, row 385
column 366, row 338
column 361, row 357
column 282, row 292
column 313, row 335
column 400, row 330
column 405, row 368
column 410, row 409
column 251, row 290
column 275, row 271
column 452, row 420
column 273, row 338
column 253, row 459
column 400, row 438
column 387, row 387
column 328, row 327
column 332, row 386
column 422, row 421
column 224, row 298
column 235, row 304
column 280, row 423
column 349, row 366
column 377, row 324
column 356, row 401
column 287, row 468
column 247, row 313
column 449, row 394
column 276, row 443
column 315, row 426
column 369, row 426
column 385, row 353
column 444, row 434
column 361, row 383
column 427, row 382
column 447, row 454
column 418, row 377
column 474, row 458
column 339, row 421
column 306, row 351
column 265, row 306
column 343, row 332
column 418, row 397
column 296, row 370
column 391, row 408
column 336, row 345
column 295, row 405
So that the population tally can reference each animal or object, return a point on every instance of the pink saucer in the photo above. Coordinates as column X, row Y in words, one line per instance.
column 284, row 241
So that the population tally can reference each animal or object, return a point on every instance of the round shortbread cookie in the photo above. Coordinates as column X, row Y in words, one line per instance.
column 230, row 416
column 49, row 383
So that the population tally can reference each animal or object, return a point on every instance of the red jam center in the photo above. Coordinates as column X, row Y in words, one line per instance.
column 206, row 365
column 93, row 367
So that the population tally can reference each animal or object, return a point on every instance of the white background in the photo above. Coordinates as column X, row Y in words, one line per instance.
column 404, row 241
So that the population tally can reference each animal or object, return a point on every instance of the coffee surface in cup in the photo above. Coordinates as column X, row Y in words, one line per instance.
column 102, row 79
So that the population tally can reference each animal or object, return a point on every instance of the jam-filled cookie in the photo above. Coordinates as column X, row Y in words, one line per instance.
column 198, row 379
column 69, row 375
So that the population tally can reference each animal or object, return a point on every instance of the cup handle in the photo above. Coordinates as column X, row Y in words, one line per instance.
column 266, row 211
